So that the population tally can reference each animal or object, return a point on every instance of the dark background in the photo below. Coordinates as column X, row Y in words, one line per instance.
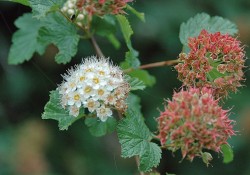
column 32, row 146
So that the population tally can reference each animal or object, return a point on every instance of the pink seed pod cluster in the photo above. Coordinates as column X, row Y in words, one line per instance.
column 215, row 60
column 193, row 121
column 84, row 10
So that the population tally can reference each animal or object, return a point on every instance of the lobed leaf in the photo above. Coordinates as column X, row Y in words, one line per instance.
column 150, row 158
column 25, row 41
column 53, row 110
column 63, row 34
column 135, row 137
column 41, row 7
column 193, row 26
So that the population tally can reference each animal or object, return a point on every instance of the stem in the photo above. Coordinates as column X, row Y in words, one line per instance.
column 100, row 54
column 96, row 47
column 157, row 64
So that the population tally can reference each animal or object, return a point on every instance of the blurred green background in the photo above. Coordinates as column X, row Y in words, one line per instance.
column 32, row 146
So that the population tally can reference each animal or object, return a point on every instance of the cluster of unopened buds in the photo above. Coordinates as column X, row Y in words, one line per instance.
column 193, row 120
column 84, row 10
column 96, row 85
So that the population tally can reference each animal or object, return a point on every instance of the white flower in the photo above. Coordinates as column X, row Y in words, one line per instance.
column 74, row 99
column 103, row 113
column 87, row 91
column 96, row 85
column 92, row 105
column 74, row 110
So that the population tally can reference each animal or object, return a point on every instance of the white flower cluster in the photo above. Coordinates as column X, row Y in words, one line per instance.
column 70, row 9
column 96, row 85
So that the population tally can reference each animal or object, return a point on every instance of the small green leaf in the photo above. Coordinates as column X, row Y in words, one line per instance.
column 98, row 128
column 134, row 103
column 135, row 137
column 25, row 40
column 135, row 83
column 140, row 15
column 53, row 110
column 63, row 34
column 227, row 152
column 41, row 7
column 151, row 157
column 193, row 26
column 131, row 56
column 106, row 27
column 23, row 2
column 125, row 27
column 144, row 76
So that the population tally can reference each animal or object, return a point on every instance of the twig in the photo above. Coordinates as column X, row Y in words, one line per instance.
column 96, row 47
column 157, row 64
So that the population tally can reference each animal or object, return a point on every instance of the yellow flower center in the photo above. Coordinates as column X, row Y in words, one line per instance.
column 100, row 92
column 101, row 72
column 88, row 89
column 82, row 78
column 91, row 104
column 96, row 80
column 77, row 97
column 89, row 70
column 102, row 111
column 72, row 85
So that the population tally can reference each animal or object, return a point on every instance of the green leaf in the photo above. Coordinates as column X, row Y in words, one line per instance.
column 227, row 152
column 25, row 40
column 151, row 157
column 63, row 34
column 114, row 41
column 131, row 58
column 193, row 26
column 135, row 137
column 98, row 128
column 41, row 7
column 134, row 103
column 53, row 110
column 140, row 15
column 132, row 54
column 135, row 83
column 23, row 2
column 144, row 76
column 125, row 27
column 106, row 27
